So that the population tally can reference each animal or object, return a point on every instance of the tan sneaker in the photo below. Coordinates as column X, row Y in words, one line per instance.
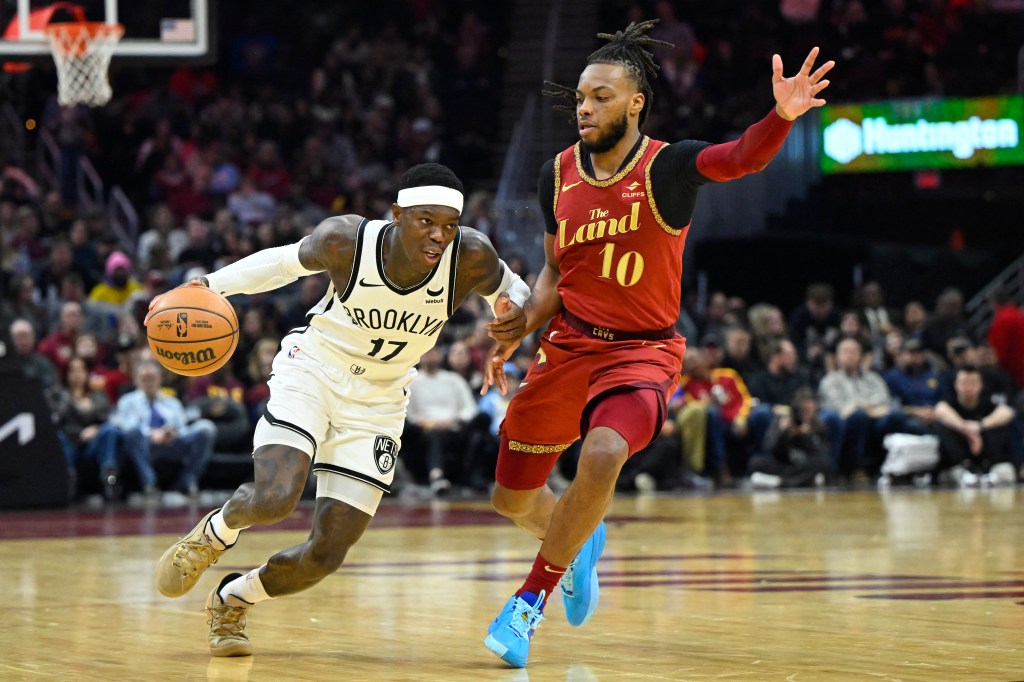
column 227, row 622
column 179, row 568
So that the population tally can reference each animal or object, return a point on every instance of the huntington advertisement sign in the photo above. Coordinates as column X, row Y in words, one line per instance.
column 922, row 134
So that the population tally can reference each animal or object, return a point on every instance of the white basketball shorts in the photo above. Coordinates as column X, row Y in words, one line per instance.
column 351, row 427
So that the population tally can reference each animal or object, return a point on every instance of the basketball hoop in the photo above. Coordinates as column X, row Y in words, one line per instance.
column 82, row 52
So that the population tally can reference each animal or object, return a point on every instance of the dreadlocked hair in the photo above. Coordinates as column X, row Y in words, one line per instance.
column 625, row 49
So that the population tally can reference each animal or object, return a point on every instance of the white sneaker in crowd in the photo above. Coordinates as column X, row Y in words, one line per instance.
column 762, row 481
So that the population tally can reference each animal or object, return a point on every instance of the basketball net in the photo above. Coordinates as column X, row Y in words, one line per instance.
column 82, row 52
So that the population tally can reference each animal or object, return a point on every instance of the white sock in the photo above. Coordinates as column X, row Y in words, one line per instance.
column 249, row 588
column 219, row 533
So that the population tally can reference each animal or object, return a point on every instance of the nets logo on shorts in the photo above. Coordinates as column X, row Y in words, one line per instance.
column 385, row 453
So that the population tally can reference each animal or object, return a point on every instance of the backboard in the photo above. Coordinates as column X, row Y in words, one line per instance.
column 154, row 29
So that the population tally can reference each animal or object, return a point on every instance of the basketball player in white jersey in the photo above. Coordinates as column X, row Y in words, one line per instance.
column 339, row 387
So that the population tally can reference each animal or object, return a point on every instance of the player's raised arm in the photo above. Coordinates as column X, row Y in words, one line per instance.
column 759, row 144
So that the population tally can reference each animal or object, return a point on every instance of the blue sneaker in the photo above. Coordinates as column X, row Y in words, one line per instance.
column 509, row 635
column 580, row 591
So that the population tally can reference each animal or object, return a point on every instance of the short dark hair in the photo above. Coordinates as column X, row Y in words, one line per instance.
column 431, row 174
column 971, row 369
column 821, row 293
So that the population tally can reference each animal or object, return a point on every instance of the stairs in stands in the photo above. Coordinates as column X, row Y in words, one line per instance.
column 549, row 39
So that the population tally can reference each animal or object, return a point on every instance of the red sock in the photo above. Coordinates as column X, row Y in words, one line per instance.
column 543, row 576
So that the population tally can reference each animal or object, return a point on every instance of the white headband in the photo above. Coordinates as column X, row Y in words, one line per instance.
column 430, row 195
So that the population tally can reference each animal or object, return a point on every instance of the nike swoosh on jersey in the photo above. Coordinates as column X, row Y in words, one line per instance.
column 364, row 283
column 566, row 188
column 435, row 293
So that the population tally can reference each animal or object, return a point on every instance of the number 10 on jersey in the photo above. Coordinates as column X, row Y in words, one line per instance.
column 629, row 267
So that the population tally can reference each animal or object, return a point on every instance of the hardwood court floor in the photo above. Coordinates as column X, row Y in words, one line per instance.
column 904, row 585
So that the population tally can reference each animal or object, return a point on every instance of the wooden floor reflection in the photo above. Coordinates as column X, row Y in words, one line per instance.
column 904, row 585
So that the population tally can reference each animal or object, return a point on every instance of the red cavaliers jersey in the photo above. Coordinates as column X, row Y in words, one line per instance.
column 621, row 264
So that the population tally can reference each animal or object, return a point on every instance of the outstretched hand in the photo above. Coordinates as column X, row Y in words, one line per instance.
column 507, row 329
column 194, row 282
column 797, row 94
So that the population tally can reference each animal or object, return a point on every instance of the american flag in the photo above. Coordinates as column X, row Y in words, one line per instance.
column 177, row 30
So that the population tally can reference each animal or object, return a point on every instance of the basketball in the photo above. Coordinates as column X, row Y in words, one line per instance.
column 192, row 331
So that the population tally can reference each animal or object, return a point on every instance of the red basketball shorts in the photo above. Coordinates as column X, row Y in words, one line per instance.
column 576, row 383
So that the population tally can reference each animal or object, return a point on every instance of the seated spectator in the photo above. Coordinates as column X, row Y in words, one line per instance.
column 880, row 320
column 202, row 249
column 119, row 376
column 974, row 433
column 459, row 360
column 81, row 413
column 162, row 231
column 716, row 316
column 33, row 364
column 862, row 401
column 440, row 407
column 775, row 388
column 959, row 353
column 916, row 387
column 814, row 325
column 716, row 402
column 249, row 205
column 738, row 356
column 796, row 449
column 851, row 326
column 915, row 319
column 767, row 325
column 220, row 398
column 119, row 284
column 59, row 266
column 21, row 302
column 948, row 321
column 58, row 347
column 258, row 369
column 154, row 427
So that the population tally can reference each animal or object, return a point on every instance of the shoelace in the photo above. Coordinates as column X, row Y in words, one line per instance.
column 227, row 621
column 202, row 547
column 525, row 618
column 566, row 582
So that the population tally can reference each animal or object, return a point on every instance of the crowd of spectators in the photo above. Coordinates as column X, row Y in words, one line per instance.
column 809, row 398
column 229, row 159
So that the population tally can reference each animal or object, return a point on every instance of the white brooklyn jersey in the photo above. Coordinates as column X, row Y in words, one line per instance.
column 374, row 328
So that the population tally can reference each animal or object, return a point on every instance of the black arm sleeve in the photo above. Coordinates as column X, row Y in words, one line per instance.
column 546, row 195
column 675, row 181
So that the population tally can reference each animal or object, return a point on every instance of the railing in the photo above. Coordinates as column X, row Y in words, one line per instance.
column 90, row 186
column 979, row 312
column 48, row 160
column 12, row 132
column 123, row 219
column 518, row 215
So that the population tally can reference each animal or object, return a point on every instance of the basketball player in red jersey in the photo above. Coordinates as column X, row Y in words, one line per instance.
column 617, row 205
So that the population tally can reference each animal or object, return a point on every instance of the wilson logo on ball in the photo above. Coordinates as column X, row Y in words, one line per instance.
column 186, row 358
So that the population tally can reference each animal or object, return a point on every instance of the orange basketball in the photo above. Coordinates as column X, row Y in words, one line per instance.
column 192, row 331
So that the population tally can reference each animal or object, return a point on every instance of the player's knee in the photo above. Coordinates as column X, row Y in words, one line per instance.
column 323, row 557
column 602, row 458
column 512, row 503
column 271, row 506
